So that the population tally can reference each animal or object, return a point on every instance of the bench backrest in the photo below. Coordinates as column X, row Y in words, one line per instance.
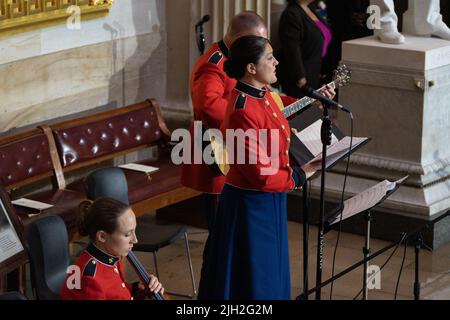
column 24, row 158
column 92, row 139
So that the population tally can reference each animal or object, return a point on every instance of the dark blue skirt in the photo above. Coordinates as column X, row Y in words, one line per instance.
column 248, row 254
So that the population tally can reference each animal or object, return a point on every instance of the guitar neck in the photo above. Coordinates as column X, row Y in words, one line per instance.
column 302, row 103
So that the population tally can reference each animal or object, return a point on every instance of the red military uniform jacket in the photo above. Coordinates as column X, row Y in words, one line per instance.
column 252, row 108
column 210, row 91
column 102, row 278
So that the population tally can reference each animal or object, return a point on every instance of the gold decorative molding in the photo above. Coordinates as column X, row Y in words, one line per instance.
column 26, row 15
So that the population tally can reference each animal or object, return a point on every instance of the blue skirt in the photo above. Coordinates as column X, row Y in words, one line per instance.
column 248, row 254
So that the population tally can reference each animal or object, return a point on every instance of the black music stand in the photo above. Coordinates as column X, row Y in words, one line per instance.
column 334, row 216
column 301, row 154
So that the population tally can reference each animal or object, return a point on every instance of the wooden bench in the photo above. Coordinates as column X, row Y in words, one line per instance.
column 54, row 151
column 26, row 160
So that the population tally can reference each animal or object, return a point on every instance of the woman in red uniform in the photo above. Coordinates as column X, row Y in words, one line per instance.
column 249, row 247
column 110, row 225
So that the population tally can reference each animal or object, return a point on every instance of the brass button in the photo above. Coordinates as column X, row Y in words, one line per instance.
column 288, row 165
column 132, row 298
column 243, row 95
column 283, row 127
column 287, row 152
column 93, row 261
column 267, row 103
column 288, row 139
column 274, row 115
column 123, row 285
column 220, row 53
column 116, row 270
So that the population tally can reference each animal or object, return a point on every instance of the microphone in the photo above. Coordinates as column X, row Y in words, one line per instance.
column 202, row 21
column 310, row 92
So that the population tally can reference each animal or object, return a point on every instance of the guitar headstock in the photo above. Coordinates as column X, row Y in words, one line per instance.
column 341, row 76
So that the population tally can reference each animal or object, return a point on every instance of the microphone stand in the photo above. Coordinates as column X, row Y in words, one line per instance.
column 326, row 141
column 305, row 239
column 200, row 38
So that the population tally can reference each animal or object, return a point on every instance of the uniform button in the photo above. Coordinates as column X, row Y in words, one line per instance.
column 132, row 298
column 283, row 127
column 289, row 139
column 288, row 165
column 93, row 261
column 243, row 95
column 123, row 285
column 274, row 115
column 287, row 152
column 116, row 270
column 267, row 103
column 294, row 131
column 220, row 53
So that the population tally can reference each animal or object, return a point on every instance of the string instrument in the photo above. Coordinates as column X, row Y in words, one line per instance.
column 142, row 273
column 341, row 78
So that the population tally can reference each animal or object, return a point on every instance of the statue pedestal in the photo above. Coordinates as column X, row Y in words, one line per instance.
column 400, row 97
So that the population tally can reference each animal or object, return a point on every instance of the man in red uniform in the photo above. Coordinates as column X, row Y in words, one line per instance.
column 210, row 90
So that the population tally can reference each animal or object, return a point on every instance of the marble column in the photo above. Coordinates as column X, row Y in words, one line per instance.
column 400, row 97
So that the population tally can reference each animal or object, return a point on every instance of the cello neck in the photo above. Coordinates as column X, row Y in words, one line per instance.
column 142, row 273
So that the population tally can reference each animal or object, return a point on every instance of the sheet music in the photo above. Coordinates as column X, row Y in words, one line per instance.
column 28, row 203
column 139, row 167
column 310, row 137
column 341, row 146
column 367, row 199
column 9, row 240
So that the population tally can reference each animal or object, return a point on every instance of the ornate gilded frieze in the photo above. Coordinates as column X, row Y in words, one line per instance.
column 24, row 15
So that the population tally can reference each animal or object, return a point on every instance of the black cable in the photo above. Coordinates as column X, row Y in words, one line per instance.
column 342, row 205
column 401, row 270
column 384, row 264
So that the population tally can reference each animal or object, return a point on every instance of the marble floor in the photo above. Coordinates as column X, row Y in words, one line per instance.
column 434, row 266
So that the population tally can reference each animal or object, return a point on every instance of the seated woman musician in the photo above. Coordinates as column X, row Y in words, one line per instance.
column 110, row 225
column 249, row 243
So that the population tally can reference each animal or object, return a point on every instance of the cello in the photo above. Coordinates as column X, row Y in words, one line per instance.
column 142, row 273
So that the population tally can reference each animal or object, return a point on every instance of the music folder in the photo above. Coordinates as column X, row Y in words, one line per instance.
column 306, row 143
column 363, row 201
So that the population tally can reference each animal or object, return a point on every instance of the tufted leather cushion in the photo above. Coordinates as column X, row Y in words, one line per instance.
column 65, row 203
column 25, row 158
column 97, row 138
column 167, row 178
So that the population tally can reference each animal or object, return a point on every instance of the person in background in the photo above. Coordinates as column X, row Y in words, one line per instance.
column 304, row 40
column 210, row 89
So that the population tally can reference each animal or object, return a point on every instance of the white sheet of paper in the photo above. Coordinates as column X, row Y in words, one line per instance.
column 28, row 203
column 339, row 147
column 310, row 137
column 367, row 199
column 139, row 167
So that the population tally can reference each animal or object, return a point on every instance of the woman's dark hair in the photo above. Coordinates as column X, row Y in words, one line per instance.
column 102, row 214
column 245, row 50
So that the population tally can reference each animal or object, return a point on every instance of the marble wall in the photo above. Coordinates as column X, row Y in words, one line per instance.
column 110, row 62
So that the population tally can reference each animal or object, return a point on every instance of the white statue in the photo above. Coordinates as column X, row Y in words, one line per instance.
column 423, row 18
